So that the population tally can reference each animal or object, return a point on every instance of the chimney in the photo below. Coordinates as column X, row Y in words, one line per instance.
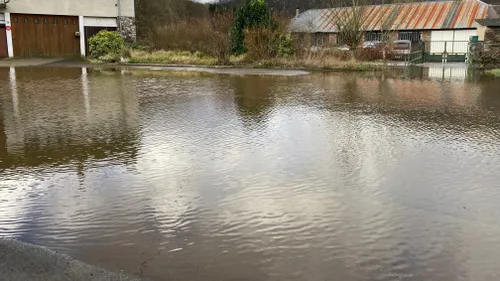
column 297, row 12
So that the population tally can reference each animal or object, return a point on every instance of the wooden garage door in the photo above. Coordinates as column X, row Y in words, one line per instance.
column 43, row 35
column 3, row 42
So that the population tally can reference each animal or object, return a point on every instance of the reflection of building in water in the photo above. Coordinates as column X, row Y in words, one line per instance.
column 60, row 119
column 405, row 93
column 447, row 73
column 58, row 116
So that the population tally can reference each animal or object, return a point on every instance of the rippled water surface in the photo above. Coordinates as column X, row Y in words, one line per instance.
column 184, row 176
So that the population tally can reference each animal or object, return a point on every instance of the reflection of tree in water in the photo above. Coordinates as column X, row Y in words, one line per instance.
column 490, row 98
column 351, row 91
column 253, row 97
column 64, row 149
column 385, row 90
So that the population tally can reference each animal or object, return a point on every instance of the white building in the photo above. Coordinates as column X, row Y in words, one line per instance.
column 60, row 27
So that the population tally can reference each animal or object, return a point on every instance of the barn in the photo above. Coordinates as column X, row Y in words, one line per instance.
column 60, row 28
column 444, row 26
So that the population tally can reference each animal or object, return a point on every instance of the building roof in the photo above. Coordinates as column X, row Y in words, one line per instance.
column 489, row 22
column 402, row 16
column 495, row 9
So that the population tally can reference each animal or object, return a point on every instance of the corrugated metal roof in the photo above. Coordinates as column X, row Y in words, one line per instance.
column 402, row 16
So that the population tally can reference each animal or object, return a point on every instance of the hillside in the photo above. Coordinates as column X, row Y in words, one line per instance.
column 153, row 13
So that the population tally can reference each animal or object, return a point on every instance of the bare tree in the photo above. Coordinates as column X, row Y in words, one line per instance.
column 388, row 25
column 217, row 36
column 347, row 17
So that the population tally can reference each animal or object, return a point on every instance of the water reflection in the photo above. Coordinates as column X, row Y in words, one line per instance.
column 44, row 124
column 183, row 176
column 255, row 107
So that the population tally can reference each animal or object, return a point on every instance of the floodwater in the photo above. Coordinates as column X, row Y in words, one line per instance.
column 185, row 176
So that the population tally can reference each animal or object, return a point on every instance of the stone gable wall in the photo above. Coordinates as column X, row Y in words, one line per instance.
column 126, row 27
column 492, row 39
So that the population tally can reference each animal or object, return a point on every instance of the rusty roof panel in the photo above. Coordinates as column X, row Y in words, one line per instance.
column 451, row 16
column 403, row 16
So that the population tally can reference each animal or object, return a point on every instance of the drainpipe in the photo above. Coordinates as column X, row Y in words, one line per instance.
column 118, row 7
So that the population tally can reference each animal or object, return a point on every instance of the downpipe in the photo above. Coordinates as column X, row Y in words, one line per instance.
column 119, row 13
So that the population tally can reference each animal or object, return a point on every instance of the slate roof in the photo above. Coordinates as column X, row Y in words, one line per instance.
column 489, row 22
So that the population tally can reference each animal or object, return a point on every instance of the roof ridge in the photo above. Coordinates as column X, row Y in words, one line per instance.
column 406, row 3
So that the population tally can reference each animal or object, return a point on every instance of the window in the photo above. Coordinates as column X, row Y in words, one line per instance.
column 376, row 36
column 65, row 21
column 15, row 19
column 320, row 39
column 45, row 20
column 372, row 36
column 74, row 22
column 413, row 36
column 35, row 20
column 55, row 21
column 25, row 20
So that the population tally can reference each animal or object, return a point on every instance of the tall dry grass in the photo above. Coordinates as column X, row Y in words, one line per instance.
column 269, row 42
column 207, row 41
column 318, row 61
column 172, row 57
column 260, row 43
column 206, row 35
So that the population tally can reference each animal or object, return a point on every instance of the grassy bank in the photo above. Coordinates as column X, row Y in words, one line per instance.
column 171, row 57
column 495, row 72
column 312, row 61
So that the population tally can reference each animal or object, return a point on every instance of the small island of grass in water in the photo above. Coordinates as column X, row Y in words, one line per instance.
column 495, row 72
column 319, row 61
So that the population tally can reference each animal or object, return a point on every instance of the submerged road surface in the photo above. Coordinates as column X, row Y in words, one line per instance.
column 179, row 175
column 22, row 262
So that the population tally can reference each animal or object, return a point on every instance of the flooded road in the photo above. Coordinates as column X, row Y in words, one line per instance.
column 185, row 176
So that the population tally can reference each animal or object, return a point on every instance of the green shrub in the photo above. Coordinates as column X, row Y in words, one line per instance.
column 252, row 14
column 284, row 46
column 106, row 44
column 265, row 43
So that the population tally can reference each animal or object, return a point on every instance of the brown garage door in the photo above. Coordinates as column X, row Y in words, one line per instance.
column 43, row 35
column 3, row 42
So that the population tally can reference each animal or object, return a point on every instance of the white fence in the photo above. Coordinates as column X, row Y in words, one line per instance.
column 450, row 47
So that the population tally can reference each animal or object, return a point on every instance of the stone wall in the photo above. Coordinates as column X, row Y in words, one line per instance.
column 426, row 37
column 492, row 39
column 126, row 27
